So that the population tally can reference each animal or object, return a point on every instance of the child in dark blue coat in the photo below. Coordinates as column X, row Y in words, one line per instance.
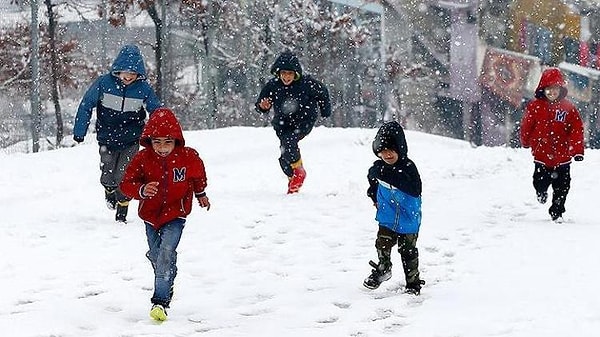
column 296, row 100
column 121, row 99
column 395, row 188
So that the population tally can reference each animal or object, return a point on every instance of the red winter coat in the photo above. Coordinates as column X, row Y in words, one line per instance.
column 180, row 175
column 553, row 130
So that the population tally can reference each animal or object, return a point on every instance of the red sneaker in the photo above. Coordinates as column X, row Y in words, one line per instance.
column 296, row 180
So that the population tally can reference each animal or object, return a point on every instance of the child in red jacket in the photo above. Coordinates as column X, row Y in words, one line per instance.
column 165, row 177
column 553, row 129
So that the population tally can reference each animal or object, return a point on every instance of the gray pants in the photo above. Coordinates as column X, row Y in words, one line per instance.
column 112, row 167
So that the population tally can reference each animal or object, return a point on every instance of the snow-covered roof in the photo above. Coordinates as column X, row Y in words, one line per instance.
column 369, row 6
column 574, row 68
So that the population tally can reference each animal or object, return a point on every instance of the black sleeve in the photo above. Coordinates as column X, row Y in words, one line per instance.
column 266, row 92
column 373, row 184
column 321, row 94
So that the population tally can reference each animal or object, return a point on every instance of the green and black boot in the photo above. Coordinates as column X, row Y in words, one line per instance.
column 122, row 207
column 381, row 272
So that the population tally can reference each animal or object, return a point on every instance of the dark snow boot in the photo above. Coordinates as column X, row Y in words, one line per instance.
column 556, row 211
column 121, row 215
column 414, row 288
column 381, row 272
column 110, row 196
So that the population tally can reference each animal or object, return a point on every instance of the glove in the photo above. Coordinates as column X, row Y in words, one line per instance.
column 578, row 157
column 77, row 139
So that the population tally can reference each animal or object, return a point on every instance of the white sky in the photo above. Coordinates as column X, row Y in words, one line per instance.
column 263, row 263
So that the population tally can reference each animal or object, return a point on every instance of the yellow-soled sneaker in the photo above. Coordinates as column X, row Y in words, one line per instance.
column 158, row 313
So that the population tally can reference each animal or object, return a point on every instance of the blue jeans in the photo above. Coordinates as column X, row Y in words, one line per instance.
column 162, row 255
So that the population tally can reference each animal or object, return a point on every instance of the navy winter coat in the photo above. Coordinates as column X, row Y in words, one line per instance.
column 296, row 106
column 120, row 110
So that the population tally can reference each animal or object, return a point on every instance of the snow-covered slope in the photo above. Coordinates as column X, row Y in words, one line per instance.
column 263, row 263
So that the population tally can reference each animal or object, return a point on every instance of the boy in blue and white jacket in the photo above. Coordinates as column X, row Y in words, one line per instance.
column 121, row 99
column 395, row 188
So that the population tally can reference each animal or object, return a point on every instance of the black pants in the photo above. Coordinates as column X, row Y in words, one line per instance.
column 560, row 179
column 407, row 247
column 288, row 144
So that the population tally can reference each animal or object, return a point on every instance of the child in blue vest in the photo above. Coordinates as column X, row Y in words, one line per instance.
column 395, row 188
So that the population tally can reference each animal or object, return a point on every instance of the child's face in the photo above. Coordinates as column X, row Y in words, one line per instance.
column 390, row 157
column 127, row 78
column 163, row 146
column 552, row 92
column 287, row 76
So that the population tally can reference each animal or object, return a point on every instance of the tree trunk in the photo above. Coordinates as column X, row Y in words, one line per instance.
column 209, row 73
column 54, row 73
column 35, row 78
column 159, row 25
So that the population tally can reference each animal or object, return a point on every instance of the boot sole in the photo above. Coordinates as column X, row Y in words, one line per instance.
column 385, row 278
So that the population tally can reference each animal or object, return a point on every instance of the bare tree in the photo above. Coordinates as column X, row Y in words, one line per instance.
column 35, row 78
column 54, row 71
column 118, row 10
column 59, row 67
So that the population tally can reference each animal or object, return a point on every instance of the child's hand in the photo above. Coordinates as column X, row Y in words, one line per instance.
column 265, row 103
column 150, row 189
column 203, row 201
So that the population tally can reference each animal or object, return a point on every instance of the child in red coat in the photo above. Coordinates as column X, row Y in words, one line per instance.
column 165, row 177
column 553, row 129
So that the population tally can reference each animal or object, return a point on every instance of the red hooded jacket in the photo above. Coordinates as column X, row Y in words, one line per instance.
column 553, row 130
column 180, row 175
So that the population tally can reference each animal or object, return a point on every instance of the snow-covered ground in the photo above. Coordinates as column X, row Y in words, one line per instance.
column 263, row 263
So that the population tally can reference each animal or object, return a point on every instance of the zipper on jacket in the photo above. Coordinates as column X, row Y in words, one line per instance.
column 397, row 215
column 163, row 183
column 123, row 101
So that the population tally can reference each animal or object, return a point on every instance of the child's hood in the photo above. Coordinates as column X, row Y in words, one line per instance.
column 130, row 59
column 287, row 61
column 391, row 136
column 551, row 76
column 162, row 123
